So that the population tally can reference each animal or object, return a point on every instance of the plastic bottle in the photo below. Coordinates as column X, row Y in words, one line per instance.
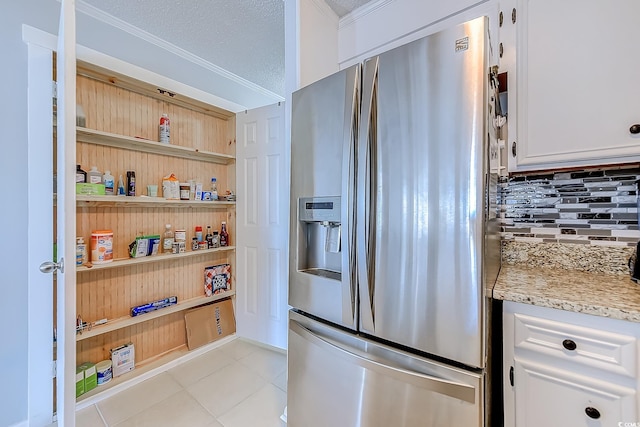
column 131, row 183
column 121, row 191
column 94, row 176
column 108, row 181
column 165, row 129
column 81, row 176
column 209, row 237
column 81, row 251
column 214, row 189
column 167, row 240
column 199, row 233
column 224, row 236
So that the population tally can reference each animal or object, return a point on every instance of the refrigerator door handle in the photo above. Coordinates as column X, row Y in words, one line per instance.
column 443, row 386
column 352, row 105
column 365, row 196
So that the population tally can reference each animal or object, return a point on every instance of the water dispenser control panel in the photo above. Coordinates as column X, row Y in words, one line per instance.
column 319, row 209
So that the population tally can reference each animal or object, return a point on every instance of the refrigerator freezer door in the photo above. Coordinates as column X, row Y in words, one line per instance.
column 338, row 379
column 425, row 132
column 322, row 255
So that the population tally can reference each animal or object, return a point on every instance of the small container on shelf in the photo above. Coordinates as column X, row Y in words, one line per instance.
column 167, row 240
column 94, row 176
column 164, row 129
column 101, row 246
column 224, row 235
column 185, row 190
column 131, row 183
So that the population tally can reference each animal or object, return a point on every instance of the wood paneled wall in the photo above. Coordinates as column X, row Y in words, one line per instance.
column 111, row 293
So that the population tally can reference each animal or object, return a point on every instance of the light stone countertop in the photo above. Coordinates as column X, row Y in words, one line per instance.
column 600, row 294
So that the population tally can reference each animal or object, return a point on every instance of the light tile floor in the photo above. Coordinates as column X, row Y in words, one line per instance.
column 237, row 385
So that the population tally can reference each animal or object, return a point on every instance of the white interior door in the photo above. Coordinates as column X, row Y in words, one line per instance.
column 66, row 217
column 40, row 230
column 262, row 170
column 41, row 369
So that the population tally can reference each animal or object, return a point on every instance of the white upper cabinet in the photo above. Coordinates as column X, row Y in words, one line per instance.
column 577, row 81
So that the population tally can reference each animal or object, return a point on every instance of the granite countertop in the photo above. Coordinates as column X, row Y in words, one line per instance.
column 596, row 293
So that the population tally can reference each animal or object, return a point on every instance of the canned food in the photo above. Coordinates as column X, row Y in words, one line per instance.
column 101, row 246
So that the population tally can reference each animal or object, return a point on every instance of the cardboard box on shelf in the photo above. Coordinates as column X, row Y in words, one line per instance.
column 123, row 359
column 209, row 323
column 90, row 189
column 217, row 279
column 79, row 381
column 90, row 376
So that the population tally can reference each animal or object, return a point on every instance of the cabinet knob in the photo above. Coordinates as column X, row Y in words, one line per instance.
column 592, row 412
column 635, row 129
column 569, row 345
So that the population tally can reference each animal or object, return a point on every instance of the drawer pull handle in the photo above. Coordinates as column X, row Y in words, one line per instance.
column 592, row 412
column 569, row 345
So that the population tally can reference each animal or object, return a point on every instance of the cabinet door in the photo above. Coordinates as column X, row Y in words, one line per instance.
column 545, row 396
column 578, row 91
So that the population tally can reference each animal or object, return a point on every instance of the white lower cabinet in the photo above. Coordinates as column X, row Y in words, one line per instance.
column 568, row 369
column 546, row 396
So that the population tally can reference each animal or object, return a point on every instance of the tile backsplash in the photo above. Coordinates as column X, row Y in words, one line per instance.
column 589, row 207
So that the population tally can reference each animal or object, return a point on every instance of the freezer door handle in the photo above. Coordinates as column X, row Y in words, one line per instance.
column 443, row 386
column 365, row 241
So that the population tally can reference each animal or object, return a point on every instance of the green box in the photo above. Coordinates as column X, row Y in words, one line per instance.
column 79, row 381
column 90, row 189
column 90, row 376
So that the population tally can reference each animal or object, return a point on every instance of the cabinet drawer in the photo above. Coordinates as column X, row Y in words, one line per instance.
column 553, row 397
column 600, row 349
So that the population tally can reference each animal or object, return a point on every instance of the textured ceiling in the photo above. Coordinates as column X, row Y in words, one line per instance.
column 244, row 37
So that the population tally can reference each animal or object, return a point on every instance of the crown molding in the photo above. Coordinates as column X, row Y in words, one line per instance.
column 361, row 12
column 102, row 16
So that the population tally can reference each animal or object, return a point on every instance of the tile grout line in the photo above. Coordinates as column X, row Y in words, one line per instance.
column 100, row 414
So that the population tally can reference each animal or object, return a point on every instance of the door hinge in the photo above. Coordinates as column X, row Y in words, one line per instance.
column 511, row 376
column 54, row 90
column 54, row 369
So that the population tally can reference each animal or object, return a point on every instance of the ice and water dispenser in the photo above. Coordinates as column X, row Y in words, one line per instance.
column 319, row 238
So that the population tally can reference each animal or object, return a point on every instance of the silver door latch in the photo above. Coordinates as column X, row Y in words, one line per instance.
column 50, row 266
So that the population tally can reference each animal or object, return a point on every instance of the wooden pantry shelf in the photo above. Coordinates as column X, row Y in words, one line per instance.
column 92, row 136
column 124, row 322
column 83, row 200
column 146, row 369
column 125, row 262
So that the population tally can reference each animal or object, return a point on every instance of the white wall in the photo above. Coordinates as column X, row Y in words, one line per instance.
column 318, row 41
column 386, row 25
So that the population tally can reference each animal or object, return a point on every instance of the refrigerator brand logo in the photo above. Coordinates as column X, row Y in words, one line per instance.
column 462, row 44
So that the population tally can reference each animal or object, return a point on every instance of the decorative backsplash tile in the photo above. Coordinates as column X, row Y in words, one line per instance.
column 590, row 207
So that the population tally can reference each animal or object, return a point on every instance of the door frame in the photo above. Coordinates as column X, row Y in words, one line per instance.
column 41, row 368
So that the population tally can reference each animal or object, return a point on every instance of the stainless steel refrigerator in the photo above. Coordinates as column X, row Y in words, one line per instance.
column 393, row 238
